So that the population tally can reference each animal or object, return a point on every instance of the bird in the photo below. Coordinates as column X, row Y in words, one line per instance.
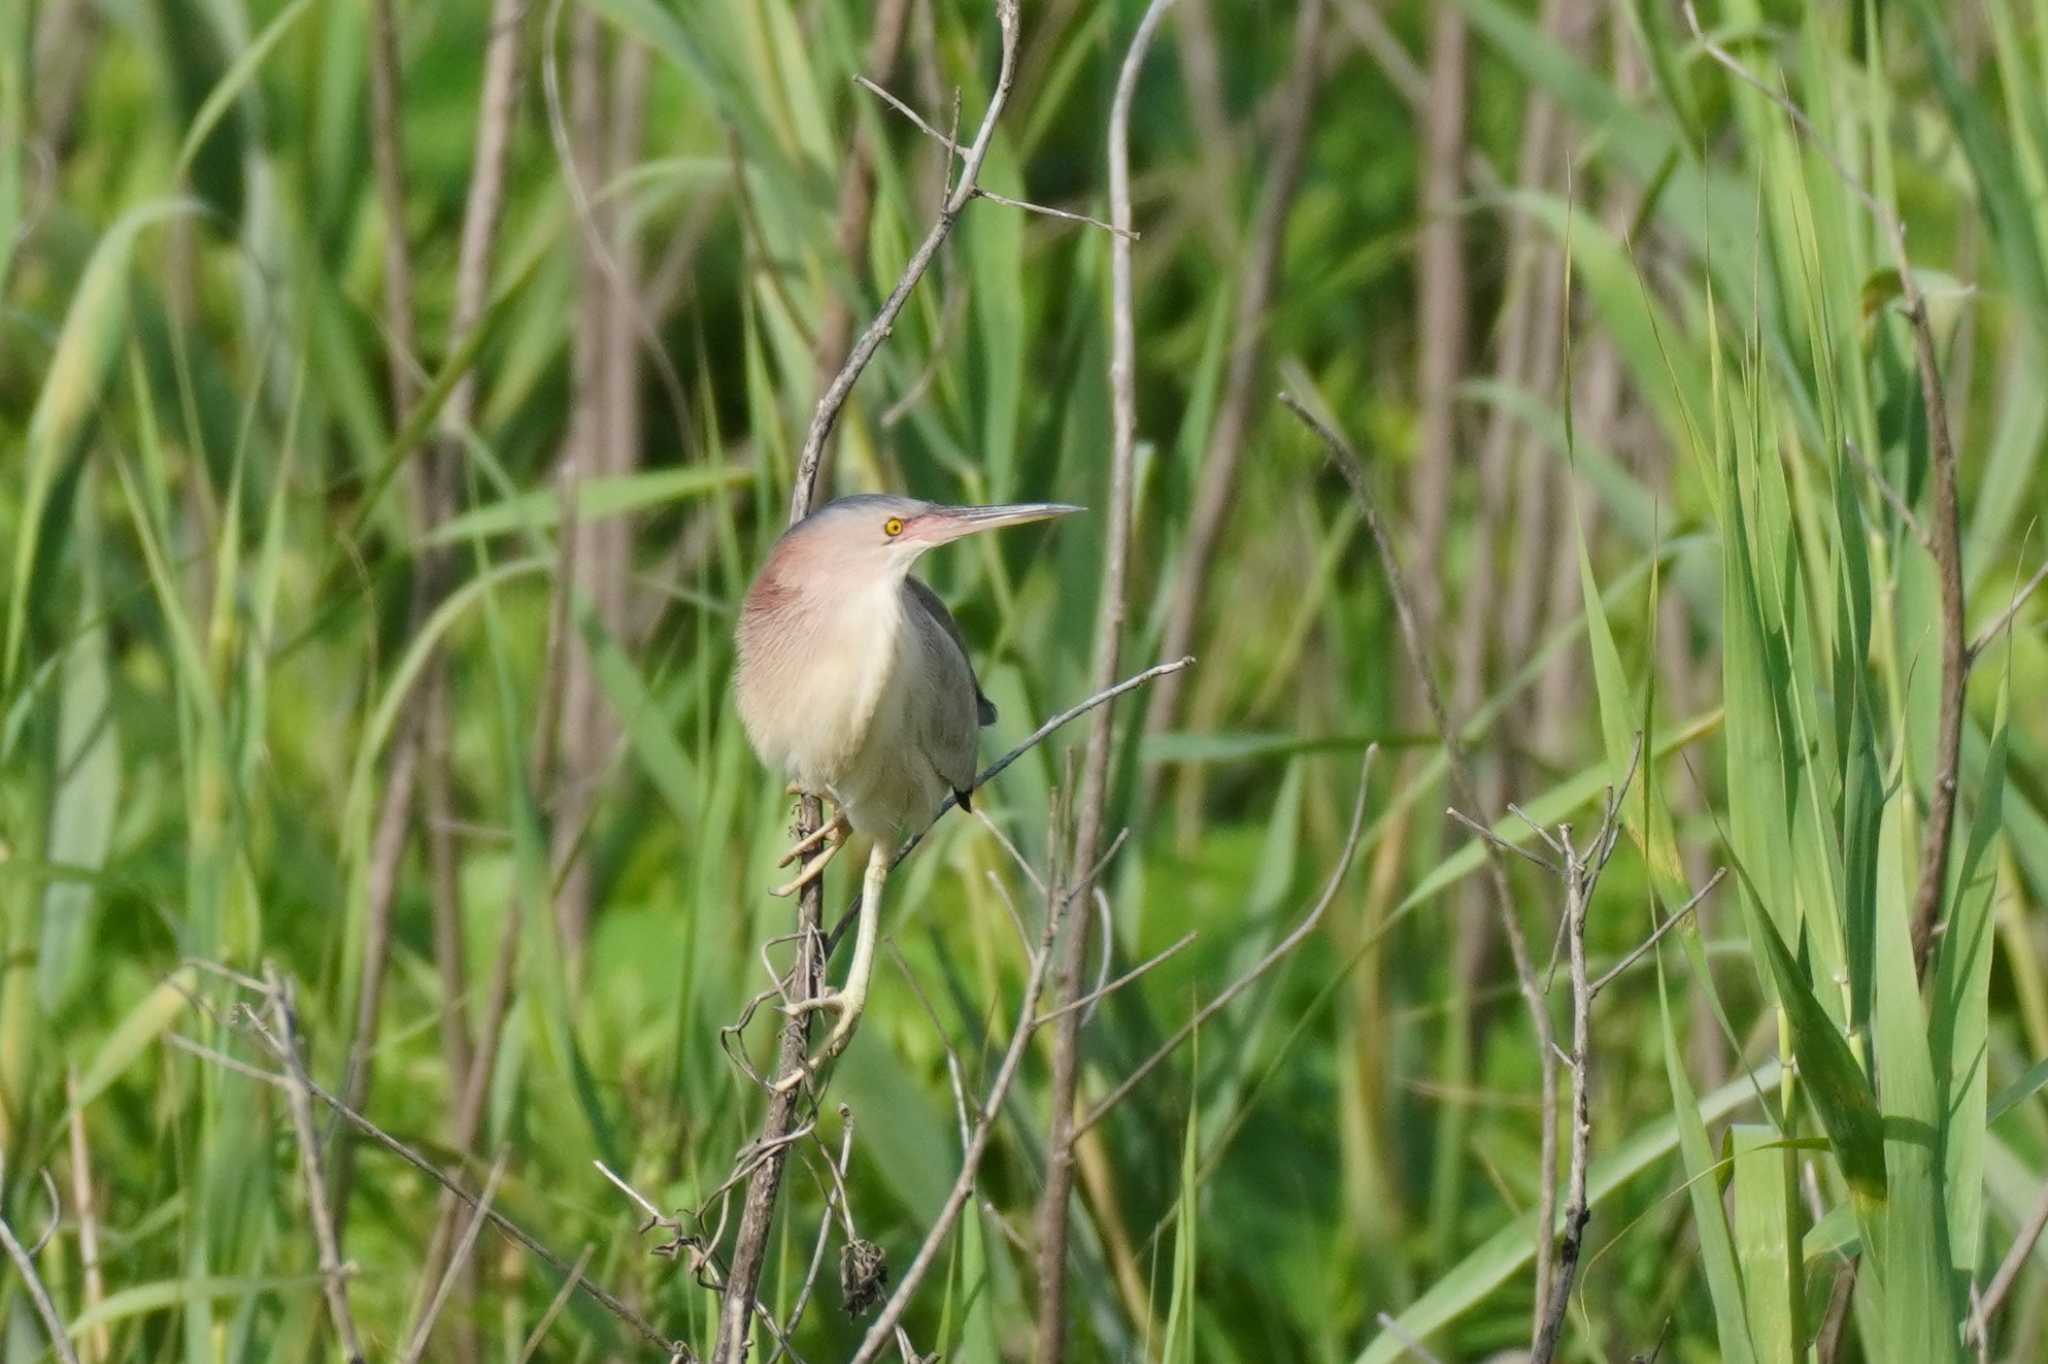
column 853, row 682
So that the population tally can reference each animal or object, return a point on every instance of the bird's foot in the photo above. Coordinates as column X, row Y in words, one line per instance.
column 814, row 868
column 836, row 829
column 848, row 1004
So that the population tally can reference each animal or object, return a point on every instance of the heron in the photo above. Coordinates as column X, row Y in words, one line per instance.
column 854, row 683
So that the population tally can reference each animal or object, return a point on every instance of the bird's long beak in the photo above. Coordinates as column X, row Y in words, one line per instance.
column 950, row 523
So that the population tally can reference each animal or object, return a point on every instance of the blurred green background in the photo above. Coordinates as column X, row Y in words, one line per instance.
column 305, row 665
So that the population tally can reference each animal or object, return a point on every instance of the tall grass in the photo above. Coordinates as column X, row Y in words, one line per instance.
column 207, row 657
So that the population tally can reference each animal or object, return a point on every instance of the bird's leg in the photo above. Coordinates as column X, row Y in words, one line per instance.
column 850, row 999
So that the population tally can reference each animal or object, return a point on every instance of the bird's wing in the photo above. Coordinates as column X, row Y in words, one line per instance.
column 928, row 601
column 950, row 702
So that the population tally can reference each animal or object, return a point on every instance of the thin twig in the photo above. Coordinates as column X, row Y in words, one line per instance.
column 1997, row 623
column 555, row 1306
column 1892, row 496
column 456, row 1263
column 25, row 1265
column 333, row 1281
column 1657, row 935
column 1408, row 1342
column 1501, row 843
column 956, row 149
column 2010, row 1267
column 1000, row 765
column 834, row 1197
column 1295, row 937
column 835, row 395
column 1110, row 988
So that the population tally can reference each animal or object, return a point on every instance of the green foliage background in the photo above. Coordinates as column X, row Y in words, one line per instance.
column 208, row 650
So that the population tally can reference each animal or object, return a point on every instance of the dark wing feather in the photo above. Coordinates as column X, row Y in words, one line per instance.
column 936, row 609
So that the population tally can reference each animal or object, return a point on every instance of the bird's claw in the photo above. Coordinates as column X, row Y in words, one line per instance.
column 832, row 831
column 849, row 1006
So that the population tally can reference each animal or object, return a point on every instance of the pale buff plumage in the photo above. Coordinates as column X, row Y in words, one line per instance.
column 853, row 682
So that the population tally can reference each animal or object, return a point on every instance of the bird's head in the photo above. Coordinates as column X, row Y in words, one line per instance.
column 877, row 537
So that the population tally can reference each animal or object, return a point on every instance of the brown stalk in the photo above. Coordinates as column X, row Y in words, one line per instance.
column 1347, row 462
column 1055, row 1201
column 593, row 448
column 1440, row 309
column 857, row 197
column 1218, row 482
column 483, row 206
column 99, row 1341
column 736, row 1305
column 2009, row 1271
column 1201, row 65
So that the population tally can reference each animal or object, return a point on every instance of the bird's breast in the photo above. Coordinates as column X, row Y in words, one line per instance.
column 812, row 678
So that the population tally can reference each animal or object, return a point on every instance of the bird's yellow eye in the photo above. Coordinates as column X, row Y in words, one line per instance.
column 893, row 526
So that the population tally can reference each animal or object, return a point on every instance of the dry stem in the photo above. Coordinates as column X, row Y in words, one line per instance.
column 1214, row 492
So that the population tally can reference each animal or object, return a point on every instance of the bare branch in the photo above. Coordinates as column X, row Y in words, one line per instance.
column 1101, row 991
column 957, row 150
column 870, row 341
column 1996, row 625
column 2010, row 1267
column 1580, row 875
column 1501, row 843
column 1657, row 934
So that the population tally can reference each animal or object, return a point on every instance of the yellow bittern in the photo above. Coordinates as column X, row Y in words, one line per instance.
column 854, row 682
